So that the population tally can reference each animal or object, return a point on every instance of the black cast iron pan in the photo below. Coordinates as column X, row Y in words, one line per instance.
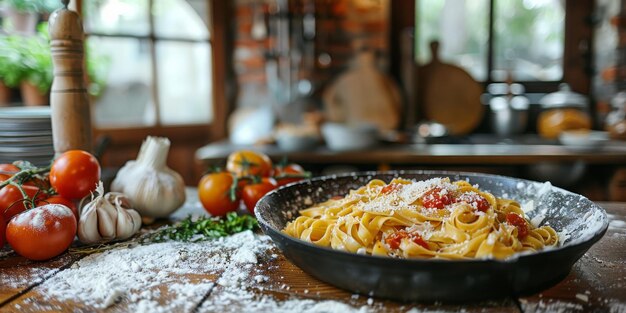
column 578, row 220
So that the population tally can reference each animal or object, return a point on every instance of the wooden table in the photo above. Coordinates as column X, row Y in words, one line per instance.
column 597, row 283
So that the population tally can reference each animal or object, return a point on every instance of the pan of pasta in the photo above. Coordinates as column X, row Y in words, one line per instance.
column 432, row 236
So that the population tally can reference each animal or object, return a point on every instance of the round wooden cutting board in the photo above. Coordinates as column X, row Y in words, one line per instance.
column 449, row 95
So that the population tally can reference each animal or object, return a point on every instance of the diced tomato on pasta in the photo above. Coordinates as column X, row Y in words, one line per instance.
column 519, row 222
column 390, row 188
column 474, row 200
column 417, row 239
column 437, row 198
column 394, row 240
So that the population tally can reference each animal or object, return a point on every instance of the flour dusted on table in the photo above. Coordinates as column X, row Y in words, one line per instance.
column 160, row 278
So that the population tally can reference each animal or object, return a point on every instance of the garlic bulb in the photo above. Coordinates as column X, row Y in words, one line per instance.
column 107, row 217
column 155, row 190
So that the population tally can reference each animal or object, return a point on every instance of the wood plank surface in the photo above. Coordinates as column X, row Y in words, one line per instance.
column 596, row 283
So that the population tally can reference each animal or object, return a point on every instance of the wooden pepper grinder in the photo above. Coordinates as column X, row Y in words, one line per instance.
column 71, row 118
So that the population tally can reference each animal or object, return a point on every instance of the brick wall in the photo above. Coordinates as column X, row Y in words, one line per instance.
column 341, row 28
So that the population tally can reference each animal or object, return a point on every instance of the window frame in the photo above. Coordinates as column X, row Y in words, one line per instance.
column 577, row 47
column 219, row 12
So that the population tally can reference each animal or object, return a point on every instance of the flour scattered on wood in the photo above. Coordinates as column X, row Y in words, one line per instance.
column 164, row 277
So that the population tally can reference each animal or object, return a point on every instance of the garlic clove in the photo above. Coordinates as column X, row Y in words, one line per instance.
column 125, row 225
column 107, row 219
column 88, row 226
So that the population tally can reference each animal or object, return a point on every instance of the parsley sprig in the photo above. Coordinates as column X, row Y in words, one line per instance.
column 203, row 228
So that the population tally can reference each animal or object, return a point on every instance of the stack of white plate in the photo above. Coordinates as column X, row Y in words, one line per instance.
column 26, row 134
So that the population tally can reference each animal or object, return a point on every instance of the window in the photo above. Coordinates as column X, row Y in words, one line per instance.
column 491, row 38
column 156, row 60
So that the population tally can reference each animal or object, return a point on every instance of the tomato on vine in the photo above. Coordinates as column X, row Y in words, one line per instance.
column 289, row 173
column 3, row 226
column 217, row 193
column 8, row 169
column 12, row 202
column 75, row 174
column 60, row 200
column 43, row 232
column 249, row 163
column 252, row 193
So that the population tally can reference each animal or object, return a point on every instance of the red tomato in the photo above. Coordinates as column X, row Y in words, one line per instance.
column 284, row 174
column 475, row 200
column 3, row 227
column 11, row 199
column 253, row 192
column 519, row 222
column 249, row 163
column 60, row 200
column 43, row 232
column 437, row 198
column 9, row 169
column 214, row 193
column 75, row 174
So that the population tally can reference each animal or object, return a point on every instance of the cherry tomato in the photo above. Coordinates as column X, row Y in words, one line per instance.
column 519, row 222
column 11, row 199
column 9, row 169
column 60, row 200
column 282, row 173
column 475, row 200
column 437, row 198
column 75, row 174
column 3, row 227
column 252, row 193
column 214, row 193
column 249, row 163
column 43, row 232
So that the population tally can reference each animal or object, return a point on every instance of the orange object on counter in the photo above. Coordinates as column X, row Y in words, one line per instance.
column 552, row 122
column 562, row 111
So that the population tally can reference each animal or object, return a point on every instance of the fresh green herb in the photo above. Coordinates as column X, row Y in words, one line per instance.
column 203, row 228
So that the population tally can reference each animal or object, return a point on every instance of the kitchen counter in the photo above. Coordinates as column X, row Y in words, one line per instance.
column 270, row 283
column 410, row 154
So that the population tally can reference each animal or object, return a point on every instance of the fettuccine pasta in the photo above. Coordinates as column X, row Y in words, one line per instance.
column 435, row 218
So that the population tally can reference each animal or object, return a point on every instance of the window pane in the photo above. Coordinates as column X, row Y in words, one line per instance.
column 181, row 19
column 529, row 39
column 462, row 28
column 117, row 17
column 185, row 93
column 126, row 99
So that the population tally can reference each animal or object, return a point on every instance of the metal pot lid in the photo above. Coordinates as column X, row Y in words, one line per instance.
column 564, row 98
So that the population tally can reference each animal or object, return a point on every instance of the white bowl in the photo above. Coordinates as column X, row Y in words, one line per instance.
column 342, row 137
column 296, row 142
column 584, row 139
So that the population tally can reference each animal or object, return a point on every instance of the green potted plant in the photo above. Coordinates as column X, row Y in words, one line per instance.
column 22, row 15
column 11, row 70
column 36, row 68
column 27, row 62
